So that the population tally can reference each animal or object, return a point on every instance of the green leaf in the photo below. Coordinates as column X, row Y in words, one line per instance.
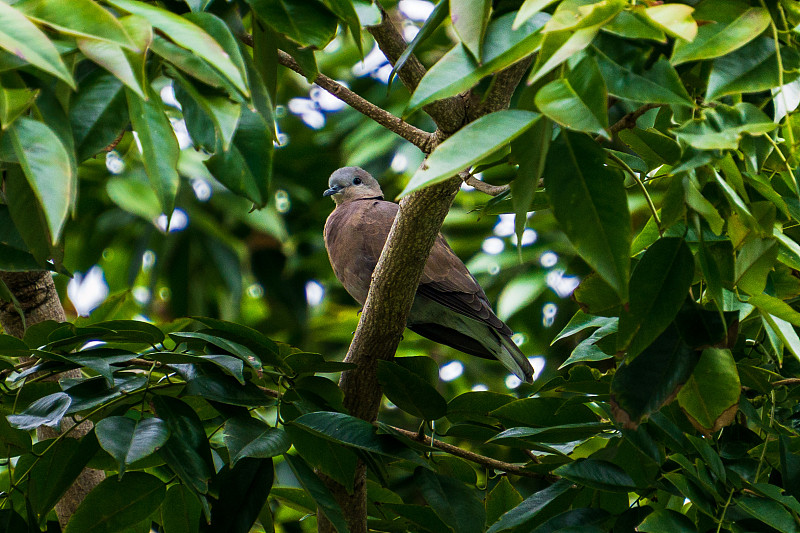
column 710, row 398
column 775, row 306
column 410, row 392
column 454, row 502
column 46, row 164
column 98, row 113
column 597, row 474
column 502, row 498
column 528, row 436
column 753, row 263
column 666, row 521
column 187, row 35
column 578, row 102
column 180, row 512
column 530, row 150
column 246, row 167
column 458, row 70
column 249, row 437
column 557, row 47
column 721, row 127
column 641, row 386
column 658, row 287
column 306, row 22
column 530, row 507
column 652, row 146
column 469, row 21
column 46, row 411
column 121, row 63
column 334, row 460
column 590, row 204
column 728, row 32
column 346, row 11
column 784, row 331
column 768, row 511
column 114, row 504
column 220, row 110
column 752, row 68
column 128, row 440
column 635, row 25
column 186, row 451
column 351, row 431
column 318, row 491
column 160, row 149
column 469, row 145
column 55, row 471
column 659, row 85
column 14, row 101
column 79, row 18
column 596, row 297
column 575, row 14
column 13, row 442
column 243, row 491
column 22, row 38
column 528, row 9
column 589, row 349
column 674, row 19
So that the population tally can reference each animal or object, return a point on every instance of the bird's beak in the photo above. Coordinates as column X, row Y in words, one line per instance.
column 333, row 190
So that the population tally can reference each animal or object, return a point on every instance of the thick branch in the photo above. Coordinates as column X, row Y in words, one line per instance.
column 499, row 94
column 449, row 113
column 488, row 462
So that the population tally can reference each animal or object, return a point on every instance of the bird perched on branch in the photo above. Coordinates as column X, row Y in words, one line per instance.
column 449, row 308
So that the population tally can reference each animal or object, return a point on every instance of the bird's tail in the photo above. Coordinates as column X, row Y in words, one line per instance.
column 513, row 359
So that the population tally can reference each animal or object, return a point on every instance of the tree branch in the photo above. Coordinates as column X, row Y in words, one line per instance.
column 487, row 188
column 449, row 114
column 488, row 462
column 37, row 296
column 502, row 88
column 419, row 138
column 628, row 121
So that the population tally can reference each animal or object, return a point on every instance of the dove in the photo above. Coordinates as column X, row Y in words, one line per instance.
column 449, row 307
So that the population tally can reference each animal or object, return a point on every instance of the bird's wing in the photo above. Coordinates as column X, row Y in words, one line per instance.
column 447, row 281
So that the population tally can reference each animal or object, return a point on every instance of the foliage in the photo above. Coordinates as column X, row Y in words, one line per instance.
column 655, row 144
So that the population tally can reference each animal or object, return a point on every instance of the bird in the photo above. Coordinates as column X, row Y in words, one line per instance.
column 449, row 306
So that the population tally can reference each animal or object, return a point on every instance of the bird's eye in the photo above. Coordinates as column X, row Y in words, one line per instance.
column 356, row 181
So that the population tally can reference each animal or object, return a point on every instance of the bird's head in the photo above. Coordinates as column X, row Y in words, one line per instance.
column 352, row 183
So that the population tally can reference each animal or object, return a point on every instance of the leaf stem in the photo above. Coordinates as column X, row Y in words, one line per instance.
column 724, row 510
column 639, row 182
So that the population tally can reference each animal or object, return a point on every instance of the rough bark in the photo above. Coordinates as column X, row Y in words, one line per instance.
column 397, row 274
column 39, row 301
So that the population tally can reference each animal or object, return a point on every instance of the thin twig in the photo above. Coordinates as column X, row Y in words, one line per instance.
column 628, row 121
column 638, row 180
column 787, row 381
column 488, row 462
column 419, row 138
column 488, row 188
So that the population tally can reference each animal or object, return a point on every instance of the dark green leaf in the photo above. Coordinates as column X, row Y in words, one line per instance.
column 530, row 507
column 659, row 285
column 437, row 16
column 721, row 127
column 180, row 512
column 590, row 204
column 502, row 498
column 752, row 68
column 322, row 496
column 306, row 22
column 597, row 474
column 469, row 22
column 667, row 521
column 768, row 511
column 47, row 411
column 98, row 113
column 454, row 502
column 128, row 440
column 642, row 386
column 115, row 504
column 659, row 85
column 249, row 437
column 471, row 144
column 187, row 451
column 410, row 392
column 351, row 431
column 243, row 491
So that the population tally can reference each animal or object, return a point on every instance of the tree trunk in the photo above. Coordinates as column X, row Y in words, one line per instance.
column 39, row 301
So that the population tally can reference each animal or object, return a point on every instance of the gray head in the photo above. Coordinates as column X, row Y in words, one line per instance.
column 352, row 183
